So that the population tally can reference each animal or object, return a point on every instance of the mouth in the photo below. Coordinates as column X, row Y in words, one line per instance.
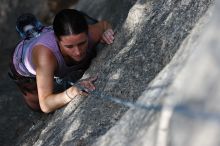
column 79, row 58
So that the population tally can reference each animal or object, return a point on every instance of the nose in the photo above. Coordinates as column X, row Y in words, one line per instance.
column 77, row 51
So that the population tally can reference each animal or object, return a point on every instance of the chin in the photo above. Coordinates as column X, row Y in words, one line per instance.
column 78, row 59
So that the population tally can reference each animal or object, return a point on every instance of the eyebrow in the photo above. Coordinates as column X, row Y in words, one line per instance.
column 68, row 46
column 71, row 45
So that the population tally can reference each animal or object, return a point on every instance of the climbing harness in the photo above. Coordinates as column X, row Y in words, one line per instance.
column 29, row 28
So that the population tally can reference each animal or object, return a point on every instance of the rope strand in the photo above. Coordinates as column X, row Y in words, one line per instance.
column 182, row 109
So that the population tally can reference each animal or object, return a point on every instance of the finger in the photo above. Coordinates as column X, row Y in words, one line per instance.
column 110, row 35
column 111, row 32
column 89, row 86
column 92, row 87
column 107, row 39
column 107, row 34
column 112, row 38
column 93, row 79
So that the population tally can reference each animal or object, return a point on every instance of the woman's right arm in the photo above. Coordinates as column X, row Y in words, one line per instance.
column 46, row 65
column 101, row 32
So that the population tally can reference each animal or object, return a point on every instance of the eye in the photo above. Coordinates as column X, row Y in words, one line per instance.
column 69, row 46
column 82, row 43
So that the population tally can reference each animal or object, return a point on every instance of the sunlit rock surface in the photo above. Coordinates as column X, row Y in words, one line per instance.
column 165, row 57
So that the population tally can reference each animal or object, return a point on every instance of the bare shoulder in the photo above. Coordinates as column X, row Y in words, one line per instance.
column 43, row 56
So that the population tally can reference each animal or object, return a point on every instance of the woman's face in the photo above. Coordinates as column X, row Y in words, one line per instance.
column 74, row 46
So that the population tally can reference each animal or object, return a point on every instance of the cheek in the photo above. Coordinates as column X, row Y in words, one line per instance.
column 65, row 51
column 85, row 47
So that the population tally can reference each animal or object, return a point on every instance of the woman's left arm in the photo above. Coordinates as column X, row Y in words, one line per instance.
column 101, row 32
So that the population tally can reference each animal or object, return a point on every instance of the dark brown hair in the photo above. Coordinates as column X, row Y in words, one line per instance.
column 68, row 22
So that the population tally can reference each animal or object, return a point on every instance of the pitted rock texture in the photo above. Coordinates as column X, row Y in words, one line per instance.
column 157, row 59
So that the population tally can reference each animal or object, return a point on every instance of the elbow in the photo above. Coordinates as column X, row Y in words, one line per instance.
column 44, row 108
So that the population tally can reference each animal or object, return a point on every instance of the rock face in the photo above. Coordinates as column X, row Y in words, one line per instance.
column 164, row 60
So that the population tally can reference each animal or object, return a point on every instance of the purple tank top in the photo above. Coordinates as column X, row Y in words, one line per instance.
column 22, row 57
